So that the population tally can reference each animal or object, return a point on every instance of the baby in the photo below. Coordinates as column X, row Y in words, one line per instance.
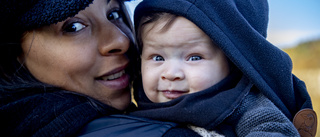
column 193, row 73
column 179, row 59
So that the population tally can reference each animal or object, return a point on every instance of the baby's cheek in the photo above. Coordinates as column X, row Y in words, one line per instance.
column 202, row 83
column 148, row 87
column 152, row 95
column 198, row 86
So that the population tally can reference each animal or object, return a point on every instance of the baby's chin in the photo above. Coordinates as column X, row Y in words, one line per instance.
column 165, row 96
column 164, row 100
column 160, row 99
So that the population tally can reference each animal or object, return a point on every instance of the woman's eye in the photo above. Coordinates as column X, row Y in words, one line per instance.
column 194, row 58
column 116, row 14
column 158, row 58
column 74, row 27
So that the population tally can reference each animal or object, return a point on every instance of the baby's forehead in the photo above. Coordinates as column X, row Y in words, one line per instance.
column 172, row 26
column 159, row 22
column 169, row 23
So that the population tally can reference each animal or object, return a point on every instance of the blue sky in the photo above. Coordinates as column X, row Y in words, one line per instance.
column 290, row 21
column 293, row 21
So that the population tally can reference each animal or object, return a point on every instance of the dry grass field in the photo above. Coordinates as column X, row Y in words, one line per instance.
column 306, row 66
column 312, row 79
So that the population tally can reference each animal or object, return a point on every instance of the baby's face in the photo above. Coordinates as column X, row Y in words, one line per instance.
column 178, row 61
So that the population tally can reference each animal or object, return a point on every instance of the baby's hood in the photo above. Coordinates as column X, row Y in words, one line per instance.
column 239, row 28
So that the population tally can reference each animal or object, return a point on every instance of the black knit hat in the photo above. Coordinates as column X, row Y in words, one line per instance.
column 18, row 16
column 30, row 14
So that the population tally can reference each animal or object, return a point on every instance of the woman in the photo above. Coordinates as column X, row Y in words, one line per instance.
column 62, row 68
column 65, row 63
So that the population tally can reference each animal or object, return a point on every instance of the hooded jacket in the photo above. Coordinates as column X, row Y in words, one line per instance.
column 239, row 28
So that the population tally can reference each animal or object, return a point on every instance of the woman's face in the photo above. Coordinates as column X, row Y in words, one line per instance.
column 84, row 53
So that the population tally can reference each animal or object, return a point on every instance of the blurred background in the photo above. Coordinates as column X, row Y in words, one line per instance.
column 294, row 26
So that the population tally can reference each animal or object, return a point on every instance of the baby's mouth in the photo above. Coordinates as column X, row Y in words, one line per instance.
column 112, row 76
column 172, row 94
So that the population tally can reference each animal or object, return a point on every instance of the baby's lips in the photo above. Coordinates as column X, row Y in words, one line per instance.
column 172, row 94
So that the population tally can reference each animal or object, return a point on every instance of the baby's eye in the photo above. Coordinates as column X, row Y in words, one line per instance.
column 74, row 27
column 116, row 14
column 157, row 58
column 194, row 58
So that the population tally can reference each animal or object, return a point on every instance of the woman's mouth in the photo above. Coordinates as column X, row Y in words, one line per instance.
column 117, row 81
column 114, row 76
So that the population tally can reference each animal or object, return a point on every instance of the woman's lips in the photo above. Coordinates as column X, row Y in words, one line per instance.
column 172, row 94
column 119, row 83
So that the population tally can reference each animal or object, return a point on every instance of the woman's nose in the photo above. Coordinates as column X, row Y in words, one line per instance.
column 113, row 41
column 173, row 72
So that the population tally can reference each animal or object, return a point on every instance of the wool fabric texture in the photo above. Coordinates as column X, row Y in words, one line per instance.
column 18, row 16
column 258, row 116
column 32, row 108
column 31, row 14
column 51, row 113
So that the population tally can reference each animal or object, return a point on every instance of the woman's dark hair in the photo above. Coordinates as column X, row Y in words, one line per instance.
column 10, row 50
column 14, row 77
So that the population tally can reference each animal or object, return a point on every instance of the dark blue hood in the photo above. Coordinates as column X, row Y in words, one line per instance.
column 239, row 28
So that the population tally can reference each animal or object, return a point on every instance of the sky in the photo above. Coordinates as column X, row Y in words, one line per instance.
column 290, row 21
column 293, row 21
